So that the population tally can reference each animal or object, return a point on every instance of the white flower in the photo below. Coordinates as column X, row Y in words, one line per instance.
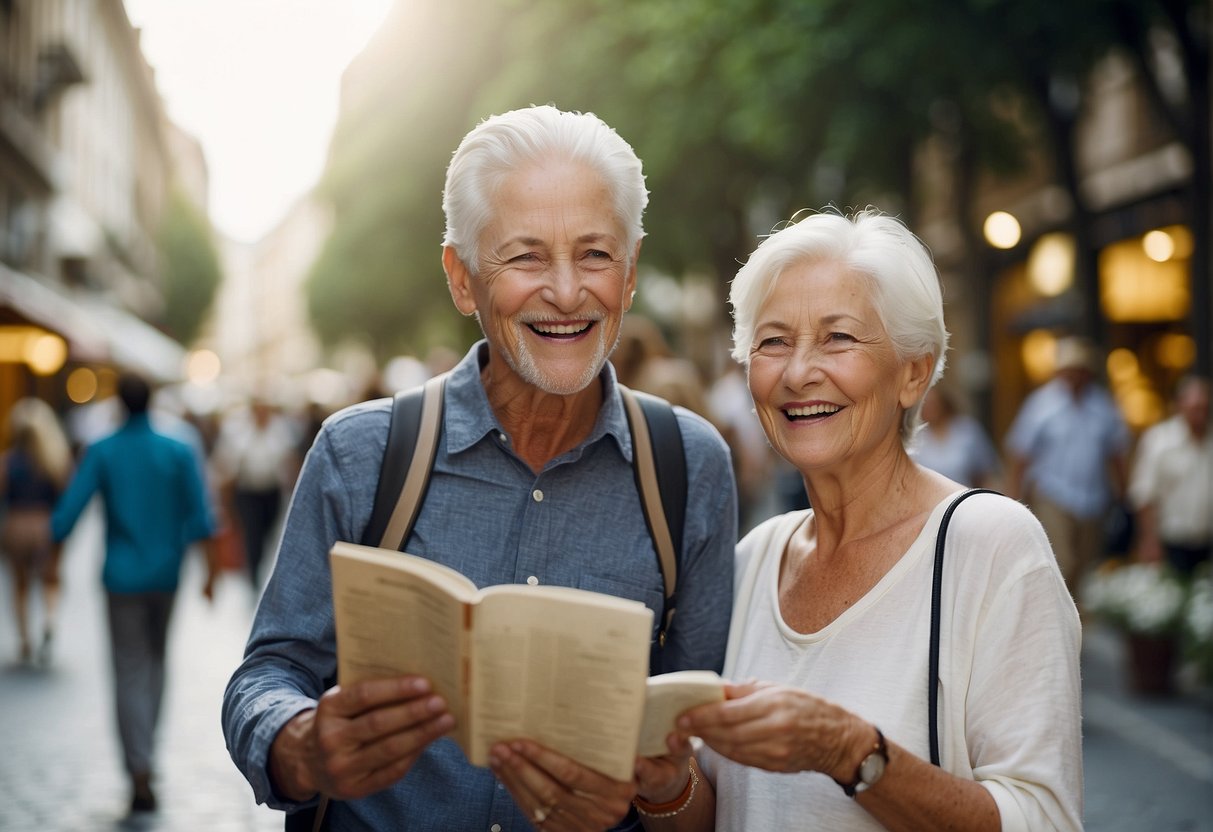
column 1141, row 597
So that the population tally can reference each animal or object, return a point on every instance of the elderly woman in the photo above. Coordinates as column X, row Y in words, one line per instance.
column 840, row 324
column 532, row 482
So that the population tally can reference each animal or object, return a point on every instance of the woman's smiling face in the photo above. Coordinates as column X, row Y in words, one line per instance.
column 827, row 384
column 554, row 276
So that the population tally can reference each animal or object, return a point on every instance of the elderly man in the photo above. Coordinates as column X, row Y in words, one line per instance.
column 532, row 481
column 1172, row 483
column 1068, row 448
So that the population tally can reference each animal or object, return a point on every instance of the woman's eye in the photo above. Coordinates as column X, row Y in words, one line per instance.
column 523, row 258
column 841, row 336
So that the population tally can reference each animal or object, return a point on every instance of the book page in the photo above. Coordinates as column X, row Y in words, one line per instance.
column 666, row 697
column 399, row 614
column 563, row 667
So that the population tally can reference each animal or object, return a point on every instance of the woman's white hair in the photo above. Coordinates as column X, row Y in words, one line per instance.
column 505, row 143
column 903, row 280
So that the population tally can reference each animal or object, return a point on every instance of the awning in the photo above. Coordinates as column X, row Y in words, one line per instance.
column 96, row 330
column 134, row 344
column 28, row 299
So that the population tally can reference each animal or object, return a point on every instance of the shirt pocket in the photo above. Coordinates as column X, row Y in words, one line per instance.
column 652, row 597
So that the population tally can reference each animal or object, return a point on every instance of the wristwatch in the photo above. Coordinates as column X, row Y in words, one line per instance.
column 871, row 768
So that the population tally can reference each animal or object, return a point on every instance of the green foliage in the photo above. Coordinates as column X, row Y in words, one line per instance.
column 744, row 111
column 191, row 267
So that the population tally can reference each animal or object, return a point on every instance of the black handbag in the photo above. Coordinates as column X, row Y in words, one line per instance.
column 936, row 602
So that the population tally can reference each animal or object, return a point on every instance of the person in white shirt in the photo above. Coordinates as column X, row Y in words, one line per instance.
column 839, row 322
column 1171, row 488
column 256, row 460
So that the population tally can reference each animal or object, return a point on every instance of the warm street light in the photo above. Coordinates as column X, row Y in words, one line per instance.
column 1002, row 230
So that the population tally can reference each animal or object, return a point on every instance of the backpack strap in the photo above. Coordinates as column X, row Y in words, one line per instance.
column 413, row 435
column 936, row 604
column 659, row 465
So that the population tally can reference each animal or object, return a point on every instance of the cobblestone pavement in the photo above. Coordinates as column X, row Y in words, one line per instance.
column 1148, row 763
column 61, row 767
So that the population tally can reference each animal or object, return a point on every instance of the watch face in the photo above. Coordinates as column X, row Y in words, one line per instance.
column 871, row 769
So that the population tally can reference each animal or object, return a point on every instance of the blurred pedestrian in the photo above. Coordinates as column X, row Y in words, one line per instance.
column 1172, row 483
column 953, row 442
column 155, row 506
column 33, row 473
column 256, row 459
column 1068, row 449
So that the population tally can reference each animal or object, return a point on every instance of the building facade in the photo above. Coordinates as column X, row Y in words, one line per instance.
column 85, row 170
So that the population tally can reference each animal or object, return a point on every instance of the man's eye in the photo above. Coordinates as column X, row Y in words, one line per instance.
column 774, row 341
column 597, row 254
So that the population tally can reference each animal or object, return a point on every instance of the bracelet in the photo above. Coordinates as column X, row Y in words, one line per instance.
column 672, row 807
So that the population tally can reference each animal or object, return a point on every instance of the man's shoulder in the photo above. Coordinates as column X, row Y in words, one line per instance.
column 698, row 434
column 359, row 423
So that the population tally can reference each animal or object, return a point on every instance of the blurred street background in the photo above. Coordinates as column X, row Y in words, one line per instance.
column 240, row 200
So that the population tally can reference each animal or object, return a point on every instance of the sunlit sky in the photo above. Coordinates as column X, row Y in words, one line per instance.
column 257, row 83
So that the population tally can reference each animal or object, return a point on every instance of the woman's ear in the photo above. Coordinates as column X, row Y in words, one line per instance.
column 459, row 281
column 916, row 380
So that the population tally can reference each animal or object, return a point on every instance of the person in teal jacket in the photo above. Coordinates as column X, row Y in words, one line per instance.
column 155, row 506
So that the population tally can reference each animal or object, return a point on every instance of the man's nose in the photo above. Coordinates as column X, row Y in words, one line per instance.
column 563, row 287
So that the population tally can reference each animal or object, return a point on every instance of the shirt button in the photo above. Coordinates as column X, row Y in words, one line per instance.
column 496, row 827
column 502, row 437
column 537, row 495
column 533, row 581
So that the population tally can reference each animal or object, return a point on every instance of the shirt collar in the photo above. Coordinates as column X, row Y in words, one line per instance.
column 468, row 418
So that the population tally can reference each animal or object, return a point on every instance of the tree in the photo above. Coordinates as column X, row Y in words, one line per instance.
column 191, row 267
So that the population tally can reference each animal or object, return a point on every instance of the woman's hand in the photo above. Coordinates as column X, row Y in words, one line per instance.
column 780, row 728
column 661, row 779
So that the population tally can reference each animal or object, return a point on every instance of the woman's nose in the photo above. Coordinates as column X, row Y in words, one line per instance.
column 803, row 366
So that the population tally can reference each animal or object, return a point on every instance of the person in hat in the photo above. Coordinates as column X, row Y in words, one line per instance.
column 1068, row 457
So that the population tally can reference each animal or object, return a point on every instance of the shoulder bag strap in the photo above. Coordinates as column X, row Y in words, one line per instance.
column 659, row 464
column 936, row 603
column 407, row 460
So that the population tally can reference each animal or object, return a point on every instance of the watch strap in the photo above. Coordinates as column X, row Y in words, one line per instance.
column 857, row 784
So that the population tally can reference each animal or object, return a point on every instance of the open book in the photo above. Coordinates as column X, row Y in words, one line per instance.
column 564, row 667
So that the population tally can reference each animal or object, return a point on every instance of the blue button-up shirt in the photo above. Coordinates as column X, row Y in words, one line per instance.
column 1068, row 443
column 155, row 505
column 487, row 514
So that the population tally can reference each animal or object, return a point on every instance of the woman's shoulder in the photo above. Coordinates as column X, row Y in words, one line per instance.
column 991, row 526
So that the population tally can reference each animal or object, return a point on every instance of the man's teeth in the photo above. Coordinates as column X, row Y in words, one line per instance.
column 813, row 410
column 560, row 329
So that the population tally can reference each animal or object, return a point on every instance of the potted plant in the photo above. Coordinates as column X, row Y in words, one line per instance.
column 1147, row 603
column 1198, row 623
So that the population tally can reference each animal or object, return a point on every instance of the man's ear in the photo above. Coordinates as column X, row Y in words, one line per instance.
column 916, row 380
column 458, row 280
column 629, row 289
